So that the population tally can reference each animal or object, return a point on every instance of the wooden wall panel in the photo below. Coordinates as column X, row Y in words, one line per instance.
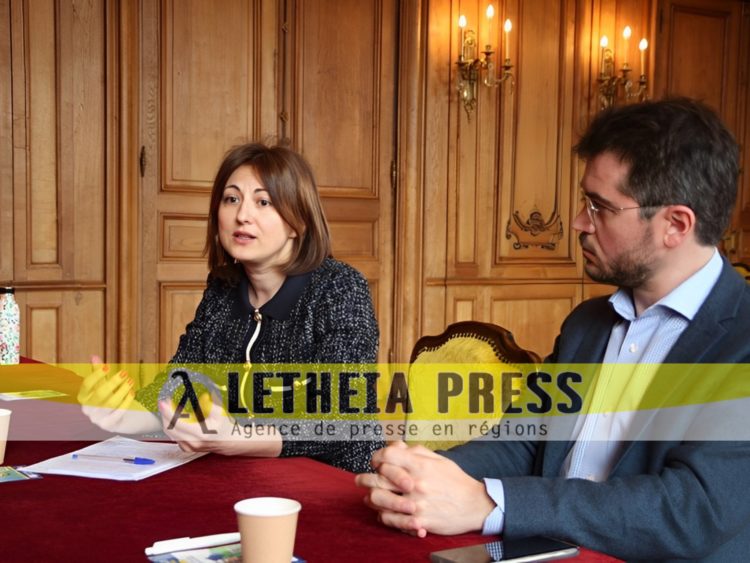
column 533, row 313
column 208, row 87
column 55, row 187
column 338, row 107
column 740, row 231
column 703, row 54
column 512, row 154
column 534, row 214
column 637, row 14
column 6, row 146
column 541, row 73
column 42, row 235
column 43, row 334
column 178, row 304
column 427, row 113
column 59, row 110
column 355, row 239
column 62, row 326
column 200, row 95
column 433, row 318
column 468, row 188
column 464, row 309
column 82, row 145
column 611, row 18
column 699, row 50
column 183, row 236
column 341, row 102
column 509, row 164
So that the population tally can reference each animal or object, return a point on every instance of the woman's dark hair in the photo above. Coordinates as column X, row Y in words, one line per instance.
column 291, row 186
column 679, row 152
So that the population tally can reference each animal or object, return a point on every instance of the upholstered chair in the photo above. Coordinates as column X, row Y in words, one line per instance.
column 743, row 269
column 478, row 347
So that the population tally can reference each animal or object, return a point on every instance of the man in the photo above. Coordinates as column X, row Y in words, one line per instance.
column 659, row 186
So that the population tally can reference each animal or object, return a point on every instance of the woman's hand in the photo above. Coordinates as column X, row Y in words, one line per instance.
column 109, row 401
column 219, row 432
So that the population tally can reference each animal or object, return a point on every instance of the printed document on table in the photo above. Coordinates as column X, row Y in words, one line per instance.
column 35, row 394
column 108, row 460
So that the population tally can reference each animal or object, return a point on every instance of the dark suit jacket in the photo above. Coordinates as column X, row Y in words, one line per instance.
column 663, row 500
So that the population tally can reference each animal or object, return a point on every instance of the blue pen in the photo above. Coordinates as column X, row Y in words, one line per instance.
column 134, row 460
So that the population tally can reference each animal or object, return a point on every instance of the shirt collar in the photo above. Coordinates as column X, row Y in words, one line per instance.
column 280, row 305
column 685, row 299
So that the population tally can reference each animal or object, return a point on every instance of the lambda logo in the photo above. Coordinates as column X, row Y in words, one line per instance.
column 191, row 396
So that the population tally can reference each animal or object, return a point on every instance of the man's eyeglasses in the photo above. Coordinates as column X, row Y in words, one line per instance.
column 594, row 208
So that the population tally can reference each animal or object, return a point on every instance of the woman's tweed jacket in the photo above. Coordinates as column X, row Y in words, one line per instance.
column 322, row 317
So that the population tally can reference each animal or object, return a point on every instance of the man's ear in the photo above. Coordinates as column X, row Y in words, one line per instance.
column 680, row 224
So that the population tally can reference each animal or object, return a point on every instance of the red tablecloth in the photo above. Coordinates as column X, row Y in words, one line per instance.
column 61, row 518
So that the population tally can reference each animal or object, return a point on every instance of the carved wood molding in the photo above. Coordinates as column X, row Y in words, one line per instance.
column 534, row 231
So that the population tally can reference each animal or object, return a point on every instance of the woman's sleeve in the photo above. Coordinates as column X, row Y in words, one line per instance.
column 347, row 321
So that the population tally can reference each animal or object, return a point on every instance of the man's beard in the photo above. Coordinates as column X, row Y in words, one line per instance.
column 631, row 269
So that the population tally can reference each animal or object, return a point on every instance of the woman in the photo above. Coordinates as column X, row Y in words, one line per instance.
column 274, row 295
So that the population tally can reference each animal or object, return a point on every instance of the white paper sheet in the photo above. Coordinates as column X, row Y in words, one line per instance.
column 165, row 456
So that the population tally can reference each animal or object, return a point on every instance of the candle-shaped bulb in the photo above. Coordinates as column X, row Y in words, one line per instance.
column 643, row 45
column 626, row 33
column 507, row 27
column 490, row 17
column 603, row 42
column 462, row 37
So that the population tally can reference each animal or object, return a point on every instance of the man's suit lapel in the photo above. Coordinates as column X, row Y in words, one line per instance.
column 588, row 348
column 709, row 325
column 593, row 342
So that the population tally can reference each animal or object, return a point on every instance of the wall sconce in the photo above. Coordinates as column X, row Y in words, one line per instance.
column 471, row 67
column 609, row 82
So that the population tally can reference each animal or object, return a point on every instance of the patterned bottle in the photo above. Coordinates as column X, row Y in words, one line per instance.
column 10, row 327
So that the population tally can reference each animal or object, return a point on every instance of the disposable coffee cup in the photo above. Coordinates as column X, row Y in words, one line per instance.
column 4, row 424
column 267, row 528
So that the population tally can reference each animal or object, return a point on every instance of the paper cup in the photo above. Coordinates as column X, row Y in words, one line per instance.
column 4, row 424
column 267, row 528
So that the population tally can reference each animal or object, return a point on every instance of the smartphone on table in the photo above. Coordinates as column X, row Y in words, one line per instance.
column 524, row 550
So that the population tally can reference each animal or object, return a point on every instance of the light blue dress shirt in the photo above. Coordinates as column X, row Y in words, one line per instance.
column 646, row 338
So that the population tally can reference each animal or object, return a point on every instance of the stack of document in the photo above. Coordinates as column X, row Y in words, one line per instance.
column 217, row 548
column 118, row 458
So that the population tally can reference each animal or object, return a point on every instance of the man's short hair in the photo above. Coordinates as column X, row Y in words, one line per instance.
column 679, row 152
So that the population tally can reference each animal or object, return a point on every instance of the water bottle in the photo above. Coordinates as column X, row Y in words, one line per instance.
column 10, row 327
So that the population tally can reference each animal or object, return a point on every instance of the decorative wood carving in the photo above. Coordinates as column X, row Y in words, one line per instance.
column 534, row 231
